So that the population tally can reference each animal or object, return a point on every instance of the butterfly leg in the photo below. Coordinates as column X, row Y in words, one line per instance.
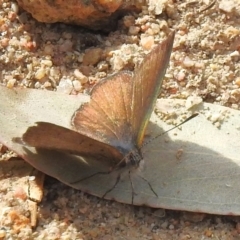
column 132, row 187
column 85, row 178
column 115, row 184
column 149, row 184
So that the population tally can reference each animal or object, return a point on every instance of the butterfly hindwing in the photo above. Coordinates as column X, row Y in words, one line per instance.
column 51, row 136
column 107, row 117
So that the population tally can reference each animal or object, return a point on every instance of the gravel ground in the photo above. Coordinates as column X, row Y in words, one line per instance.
column 205, row 62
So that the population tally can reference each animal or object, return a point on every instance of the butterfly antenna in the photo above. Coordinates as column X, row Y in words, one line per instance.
column 186, row 120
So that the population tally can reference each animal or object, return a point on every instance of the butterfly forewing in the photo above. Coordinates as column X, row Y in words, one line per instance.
column 120, row 106
column 147, row 82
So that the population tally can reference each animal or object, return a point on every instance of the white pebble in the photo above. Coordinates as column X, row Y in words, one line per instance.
column 47, row 62
column 14, row 7
column 155, row 28
column 180, row 76
column 192, row 101
column 65, row 86
column 187, row 62
column 37, row 85
column 102, row 66
column 117, row 63
column 215, row 117
column 234, row 54
column 227, row 5
column 47, row 84
column 31, row 178
column 77, row 85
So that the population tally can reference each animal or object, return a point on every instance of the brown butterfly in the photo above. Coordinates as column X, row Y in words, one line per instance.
column 110, row 128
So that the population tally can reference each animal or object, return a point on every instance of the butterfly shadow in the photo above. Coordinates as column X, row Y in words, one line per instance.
column 184, row 175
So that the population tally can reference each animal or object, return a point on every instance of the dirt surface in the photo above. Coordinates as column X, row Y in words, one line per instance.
column 205, row 63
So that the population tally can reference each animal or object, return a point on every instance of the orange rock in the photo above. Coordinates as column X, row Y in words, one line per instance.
column 94, row 14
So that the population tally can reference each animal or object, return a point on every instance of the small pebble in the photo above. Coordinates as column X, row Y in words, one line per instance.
column 47, row 63
column 147, row 42
column 133, row 30
column 180, row 76
column 188, row 62
column 102, row 66
column 227, row 5
column 65, row 86
column 234, row 54
column 128, row 21
column 117, row 63
column 14, row 7
column 208, row 233
column 2, row 233
column 237, row 81
column 47, row 84
column 164, row 225
column 238, row 227
column 193, row 101
column 40, row 73
column 11, row 83
column 66, row 46
column 155, row 28
column 81, row 77
column 171, row 227
column 216, row 117
column 92, row 56
column 193, row 217
column 20, row 193
column 48, row 49
column 31, row 178
column 77, row 85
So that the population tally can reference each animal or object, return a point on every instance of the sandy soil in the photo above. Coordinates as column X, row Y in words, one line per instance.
column 205, row 62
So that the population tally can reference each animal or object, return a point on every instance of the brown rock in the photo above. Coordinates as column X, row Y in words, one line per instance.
column 94, row 14
column 193, row 216
column 92, row 56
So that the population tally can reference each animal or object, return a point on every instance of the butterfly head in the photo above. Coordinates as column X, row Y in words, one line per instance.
column 132, row 159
